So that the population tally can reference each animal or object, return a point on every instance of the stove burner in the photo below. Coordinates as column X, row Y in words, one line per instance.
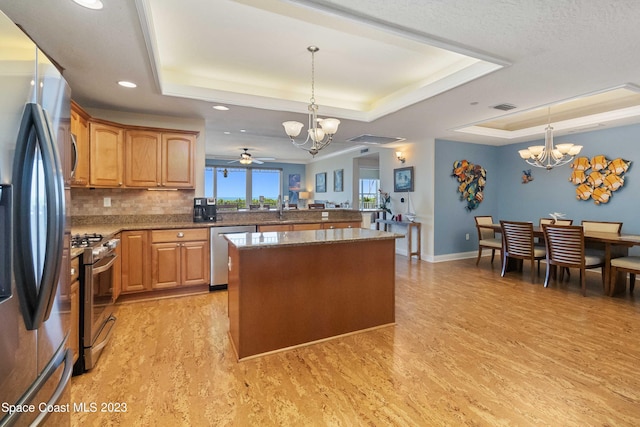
column 85, row 240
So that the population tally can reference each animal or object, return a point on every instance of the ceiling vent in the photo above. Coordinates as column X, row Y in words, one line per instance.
column 504, row 107
column 374, row 140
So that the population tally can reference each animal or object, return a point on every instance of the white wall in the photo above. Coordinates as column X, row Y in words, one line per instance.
column 420, row 155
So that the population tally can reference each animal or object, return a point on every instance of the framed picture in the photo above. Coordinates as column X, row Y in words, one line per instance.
column 321, row 182
column 403, row 179
column 337, row 180
column 294, row 182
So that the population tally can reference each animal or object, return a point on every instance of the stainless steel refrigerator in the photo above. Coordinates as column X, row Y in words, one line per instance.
column 35, row 362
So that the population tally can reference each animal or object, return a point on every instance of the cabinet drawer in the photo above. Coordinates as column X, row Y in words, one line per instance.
column 179, row 235
column 75, row 269
column 334, row 225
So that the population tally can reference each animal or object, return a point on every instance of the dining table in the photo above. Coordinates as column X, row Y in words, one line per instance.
column 614, row 245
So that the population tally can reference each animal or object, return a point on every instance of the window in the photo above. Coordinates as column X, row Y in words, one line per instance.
column 243, row 186
column 369, row 193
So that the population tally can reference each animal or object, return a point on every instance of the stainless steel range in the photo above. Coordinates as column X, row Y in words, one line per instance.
column 96, row 296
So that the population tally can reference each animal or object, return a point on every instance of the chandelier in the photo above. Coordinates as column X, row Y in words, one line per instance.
column 547, row 156
column 321, row 131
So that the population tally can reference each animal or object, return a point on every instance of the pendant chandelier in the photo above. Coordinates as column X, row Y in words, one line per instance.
column 547, row 156
column 321, row 131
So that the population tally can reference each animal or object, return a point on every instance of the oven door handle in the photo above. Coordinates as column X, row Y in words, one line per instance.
column 104, row 264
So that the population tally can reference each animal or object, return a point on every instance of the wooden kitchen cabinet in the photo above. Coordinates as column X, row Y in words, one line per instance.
column 312, row 226
column 346, row 224
column 178, row 156
column 117, row 270
column 180, row 257
column 106, row 155
column 135, row 271
column 309, row 226
column 79, row 152
column 74, row 296
column 143, row 158
column 157, row 159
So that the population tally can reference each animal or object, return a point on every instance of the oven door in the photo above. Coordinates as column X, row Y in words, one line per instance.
column 99, row 319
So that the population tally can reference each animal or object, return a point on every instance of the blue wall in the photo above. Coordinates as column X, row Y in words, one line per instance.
column 550, row 191
column 451, row 218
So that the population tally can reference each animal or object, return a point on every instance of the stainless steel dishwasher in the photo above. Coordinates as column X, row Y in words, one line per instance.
column 220, row 254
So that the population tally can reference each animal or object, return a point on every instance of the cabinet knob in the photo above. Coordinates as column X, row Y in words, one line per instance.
column 120, row 184
column 181, row 234
column 73, row 271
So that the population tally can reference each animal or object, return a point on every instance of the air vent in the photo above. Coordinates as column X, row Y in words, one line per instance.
column 364, row 150
column 504, row 107
column 374, row 140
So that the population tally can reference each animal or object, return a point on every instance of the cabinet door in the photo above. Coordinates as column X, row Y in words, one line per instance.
column 135, row 262
column 331, row 225
column 106, row 155
column 178, row 154
column 142, row 158
column 275, row 227
column 117, row 271
column 74, row 330
column 165, row 265
column 313, row 226
column 195, row 263
column 80, row 130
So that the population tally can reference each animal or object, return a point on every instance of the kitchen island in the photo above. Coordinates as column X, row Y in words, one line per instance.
column 288, row 289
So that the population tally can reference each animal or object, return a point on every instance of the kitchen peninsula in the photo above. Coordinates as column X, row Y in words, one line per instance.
column 288, row 289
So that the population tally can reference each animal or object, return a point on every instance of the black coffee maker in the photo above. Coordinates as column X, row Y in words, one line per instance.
column 204, row 209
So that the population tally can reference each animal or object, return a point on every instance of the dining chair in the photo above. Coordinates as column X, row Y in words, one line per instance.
column 602, row 226
column 555, row 221
column 627, row 264
column 316, row 205
column 487, row 237
column 565, row 249
column 519, row 244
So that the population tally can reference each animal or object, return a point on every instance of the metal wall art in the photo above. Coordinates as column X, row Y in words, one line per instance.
column 472, row 179
column 598, row 178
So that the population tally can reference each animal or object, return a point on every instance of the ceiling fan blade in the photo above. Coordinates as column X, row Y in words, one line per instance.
column 266, row 158
column 257, row 161
column 233, row 161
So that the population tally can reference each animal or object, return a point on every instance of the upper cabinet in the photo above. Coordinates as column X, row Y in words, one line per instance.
column 178, row 154
column 144, row 158
column 106, row 155
column 159, row 159
column 112, row 155
column 79, row 146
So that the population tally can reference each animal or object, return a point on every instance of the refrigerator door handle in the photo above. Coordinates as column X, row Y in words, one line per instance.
column 37, row 293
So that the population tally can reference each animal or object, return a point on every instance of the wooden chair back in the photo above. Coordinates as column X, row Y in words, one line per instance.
column 484, row 233
column 602, row 226
column 565, row 245
column 550, row 221
column 518, row 239
column 316, row 205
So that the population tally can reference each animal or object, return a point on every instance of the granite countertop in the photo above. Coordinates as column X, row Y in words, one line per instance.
column 306, row 237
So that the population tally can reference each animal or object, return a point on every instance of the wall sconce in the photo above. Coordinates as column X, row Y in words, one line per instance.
column 400, row 156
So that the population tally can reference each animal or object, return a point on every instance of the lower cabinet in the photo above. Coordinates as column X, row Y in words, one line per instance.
column 74, row 297
column 309, row 226
column 135, row 269
column 180, row 257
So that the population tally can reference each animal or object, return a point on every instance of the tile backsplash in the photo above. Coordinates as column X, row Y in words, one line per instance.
column 130, row 202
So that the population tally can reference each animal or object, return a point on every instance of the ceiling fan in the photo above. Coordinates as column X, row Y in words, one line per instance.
column 247, row 159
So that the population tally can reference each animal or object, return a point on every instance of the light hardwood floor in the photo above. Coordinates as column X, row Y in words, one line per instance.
column 469, row 348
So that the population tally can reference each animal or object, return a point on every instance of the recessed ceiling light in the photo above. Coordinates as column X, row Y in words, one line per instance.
column 90, row 4
column 125, row 83
column 242, row 130
column 227, row 133
column 220, row 108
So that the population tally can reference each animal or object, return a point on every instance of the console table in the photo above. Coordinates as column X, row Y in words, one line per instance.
column 386, row 223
